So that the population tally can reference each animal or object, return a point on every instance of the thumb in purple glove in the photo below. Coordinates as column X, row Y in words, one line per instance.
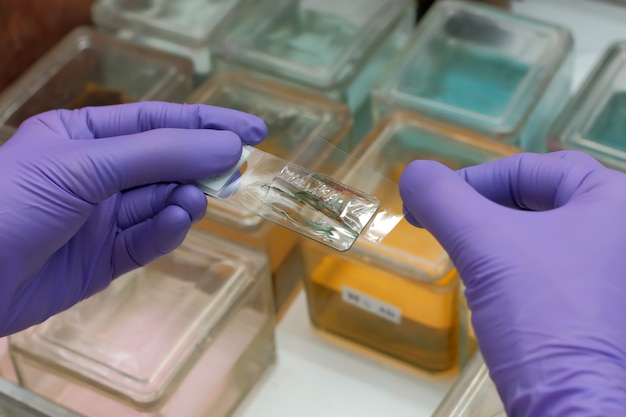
column 538, row 241
column 91, row 194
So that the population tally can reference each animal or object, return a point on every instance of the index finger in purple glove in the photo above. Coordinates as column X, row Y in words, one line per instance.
column 127, row 119
column 441, row 201
column 523, row 181
column 103, row 167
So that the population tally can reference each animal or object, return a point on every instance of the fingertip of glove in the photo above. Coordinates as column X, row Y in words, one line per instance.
column 408, row 185
column 256, row 132
column 414, row 175
column 427, row 187
column 191, row 199
column 250, row 128
column 170, row 228
column 229, row 141
column 205, row 153
column 408, row 216
column 225, row 147
column 147, row 241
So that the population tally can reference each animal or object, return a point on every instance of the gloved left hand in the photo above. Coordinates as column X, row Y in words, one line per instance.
column 89, row 194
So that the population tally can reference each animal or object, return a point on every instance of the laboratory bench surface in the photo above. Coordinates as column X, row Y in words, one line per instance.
column 316, row 375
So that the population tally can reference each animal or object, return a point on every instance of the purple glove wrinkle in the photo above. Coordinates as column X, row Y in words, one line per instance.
column 538, row 241
column 90, row 194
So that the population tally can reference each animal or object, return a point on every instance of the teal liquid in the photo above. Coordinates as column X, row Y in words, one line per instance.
column 609, row 128
column 465, row 78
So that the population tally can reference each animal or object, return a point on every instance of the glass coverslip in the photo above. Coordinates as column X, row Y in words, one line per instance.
column 306, row 202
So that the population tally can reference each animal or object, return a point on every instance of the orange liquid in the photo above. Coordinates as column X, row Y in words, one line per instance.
column 97, row 95
column 423, row 331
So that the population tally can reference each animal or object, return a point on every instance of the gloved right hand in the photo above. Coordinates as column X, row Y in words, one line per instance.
column 89, row 194
column 540, row 243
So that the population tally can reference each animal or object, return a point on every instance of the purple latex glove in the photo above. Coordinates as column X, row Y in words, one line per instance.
column 89, row 194
column 540, row 243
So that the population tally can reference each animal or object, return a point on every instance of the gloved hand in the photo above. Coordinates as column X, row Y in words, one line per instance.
column 89, row 194
column 540, row 243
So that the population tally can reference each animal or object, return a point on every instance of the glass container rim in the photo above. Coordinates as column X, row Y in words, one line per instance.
column 76, row 41
column 107, row 15
column 213, row 318
column 567, row 131
column 321, row 78
column 511, row 120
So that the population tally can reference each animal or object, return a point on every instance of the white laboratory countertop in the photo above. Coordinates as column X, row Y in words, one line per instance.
column 318, row 376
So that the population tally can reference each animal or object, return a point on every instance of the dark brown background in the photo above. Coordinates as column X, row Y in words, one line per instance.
column 28, row 28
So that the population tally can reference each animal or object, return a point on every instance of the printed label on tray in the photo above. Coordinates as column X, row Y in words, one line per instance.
column 371, row 304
